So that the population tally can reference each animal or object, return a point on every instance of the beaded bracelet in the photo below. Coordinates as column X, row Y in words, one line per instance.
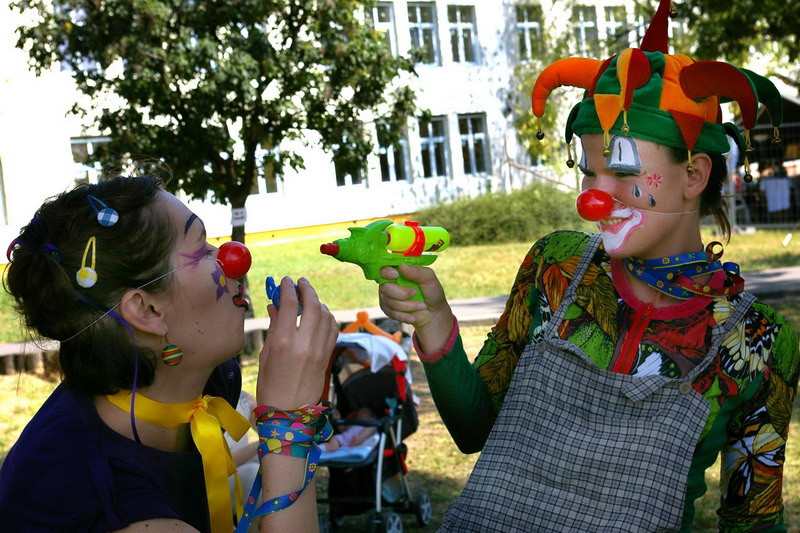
column 296, row 433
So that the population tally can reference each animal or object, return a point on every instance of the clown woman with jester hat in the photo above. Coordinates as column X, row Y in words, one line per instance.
column 625, row 361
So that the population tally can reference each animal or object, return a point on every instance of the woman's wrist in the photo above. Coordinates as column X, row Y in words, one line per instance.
column 422, row 342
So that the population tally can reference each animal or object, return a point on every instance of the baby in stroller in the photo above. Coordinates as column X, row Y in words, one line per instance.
column 372, row 392
column 350, row 436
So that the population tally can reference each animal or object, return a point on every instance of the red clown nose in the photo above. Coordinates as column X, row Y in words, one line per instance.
column 234, row 259
column 594, row 205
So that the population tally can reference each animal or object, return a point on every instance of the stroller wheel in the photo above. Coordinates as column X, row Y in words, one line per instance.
column 392, row 523
column 423, row 508
column 324, row 523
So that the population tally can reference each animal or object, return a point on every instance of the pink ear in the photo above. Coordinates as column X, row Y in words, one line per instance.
column 714, row 78
column 656, row 38
column 572, row 71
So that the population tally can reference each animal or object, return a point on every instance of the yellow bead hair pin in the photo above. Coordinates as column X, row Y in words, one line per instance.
column 86, row 276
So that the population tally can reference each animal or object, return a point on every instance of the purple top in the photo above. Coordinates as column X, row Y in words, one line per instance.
column 70, row 472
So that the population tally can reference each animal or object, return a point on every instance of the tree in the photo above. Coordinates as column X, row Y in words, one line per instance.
column 729, row 29
column 213, row 88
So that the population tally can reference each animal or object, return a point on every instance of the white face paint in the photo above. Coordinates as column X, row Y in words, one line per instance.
column 616, row 229
column 624, row 156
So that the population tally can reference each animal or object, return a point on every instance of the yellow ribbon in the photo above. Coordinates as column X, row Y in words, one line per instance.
column 207, row 415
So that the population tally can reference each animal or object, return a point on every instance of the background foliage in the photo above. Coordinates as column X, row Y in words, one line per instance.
column 523, row 215
column 215, row 88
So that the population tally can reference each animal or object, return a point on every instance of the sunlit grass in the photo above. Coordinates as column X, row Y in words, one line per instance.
column 435, row 464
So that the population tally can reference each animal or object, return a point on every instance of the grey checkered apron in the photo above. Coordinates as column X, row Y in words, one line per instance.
column 577, row 448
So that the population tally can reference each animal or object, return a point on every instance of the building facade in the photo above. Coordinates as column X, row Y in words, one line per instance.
column 467, row 79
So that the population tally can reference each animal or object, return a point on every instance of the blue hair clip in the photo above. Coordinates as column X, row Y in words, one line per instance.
column 106, row 216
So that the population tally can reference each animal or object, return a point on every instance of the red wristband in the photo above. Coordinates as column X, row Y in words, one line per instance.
column 441, row 352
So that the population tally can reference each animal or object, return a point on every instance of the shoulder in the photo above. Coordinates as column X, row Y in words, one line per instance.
column 560, row 246
column 774, row 339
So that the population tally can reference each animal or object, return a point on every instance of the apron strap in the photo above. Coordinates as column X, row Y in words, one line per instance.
column 721, row 330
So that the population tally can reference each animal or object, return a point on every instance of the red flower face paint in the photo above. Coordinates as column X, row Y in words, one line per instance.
column 654, row 180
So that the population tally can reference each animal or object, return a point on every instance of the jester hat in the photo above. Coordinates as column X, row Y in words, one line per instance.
column 669, row 99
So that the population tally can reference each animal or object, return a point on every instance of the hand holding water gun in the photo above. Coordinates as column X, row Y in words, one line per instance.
column 383, row 243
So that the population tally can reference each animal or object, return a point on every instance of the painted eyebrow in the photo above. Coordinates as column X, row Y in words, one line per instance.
column 189, row 222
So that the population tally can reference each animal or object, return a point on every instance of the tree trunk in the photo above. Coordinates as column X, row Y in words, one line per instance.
column 253, row 340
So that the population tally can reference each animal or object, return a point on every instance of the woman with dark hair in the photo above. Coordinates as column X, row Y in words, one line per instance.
column 625, row 361
column 149, row 317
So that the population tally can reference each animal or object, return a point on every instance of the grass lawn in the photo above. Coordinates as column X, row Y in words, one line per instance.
column 435, row 464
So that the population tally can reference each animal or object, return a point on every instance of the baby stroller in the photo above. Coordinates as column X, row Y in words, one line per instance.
column 370, row 370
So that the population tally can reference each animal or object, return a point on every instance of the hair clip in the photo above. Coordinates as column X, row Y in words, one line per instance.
column 54, row 251
column 14, row 243
column 86, row 276
column 105, row 216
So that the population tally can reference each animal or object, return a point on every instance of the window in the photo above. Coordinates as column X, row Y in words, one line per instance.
column 422, row 27
column 433, row 141
column 463, row 35
column 529, row 30
column 85, row 155
column 345, row 176
column 616, row 28
column 585, row 23
column 383, row 22
column 393, row 161
column 268, row 177
column 474, row 147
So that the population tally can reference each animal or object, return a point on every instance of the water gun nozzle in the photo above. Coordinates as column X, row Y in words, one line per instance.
column 330, row 248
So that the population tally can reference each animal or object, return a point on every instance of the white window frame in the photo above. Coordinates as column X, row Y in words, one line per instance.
column 423, row 28
column 347, row 178
column 430, row 143
column 613, row 26
column 388, row 28
column 459, row 30
column 581, row 26
column 528, row 31
column 394, row 154
column 470, row 139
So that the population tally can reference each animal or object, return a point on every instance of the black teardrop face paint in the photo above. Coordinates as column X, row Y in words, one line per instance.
column 637, row 192
column 652, row 200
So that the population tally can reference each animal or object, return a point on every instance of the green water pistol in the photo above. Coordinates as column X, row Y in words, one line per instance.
column 383, row 243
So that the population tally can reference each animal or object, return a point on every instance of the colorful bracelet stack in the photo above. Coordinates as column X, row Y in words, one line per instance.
column 296, row 433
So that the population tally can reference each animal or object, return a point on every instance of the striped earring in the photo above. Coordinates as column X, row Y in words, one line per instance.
column 171, row 355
